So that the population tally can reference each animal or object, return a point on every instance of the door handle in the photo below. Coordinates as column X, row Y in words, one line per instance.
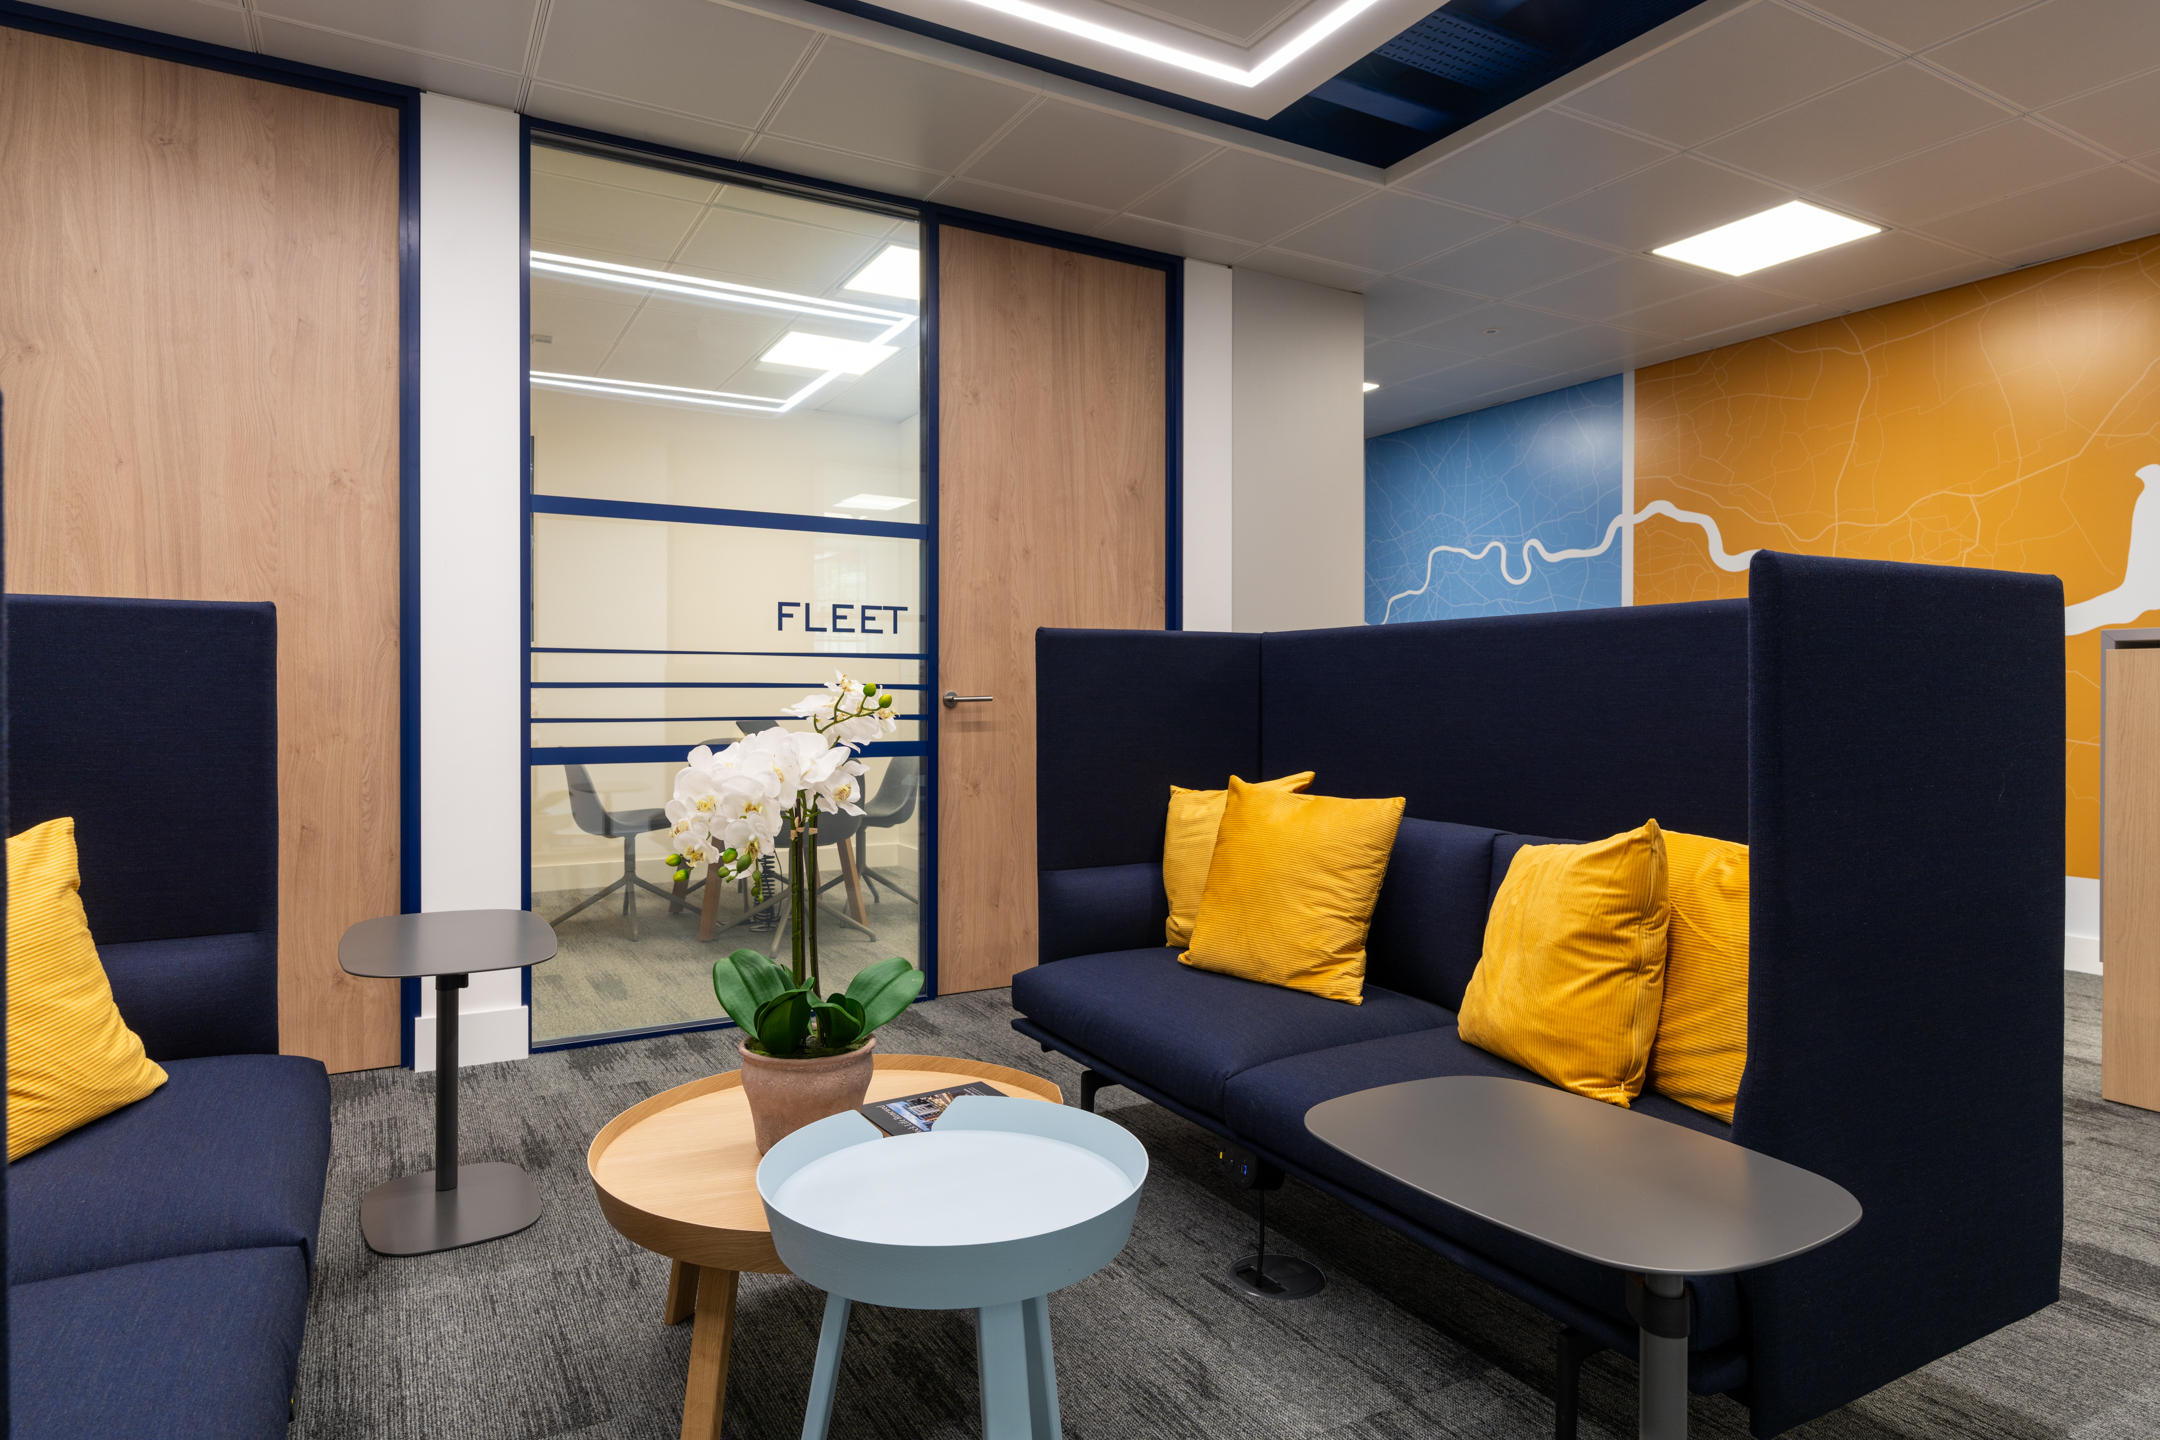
column 952, row 700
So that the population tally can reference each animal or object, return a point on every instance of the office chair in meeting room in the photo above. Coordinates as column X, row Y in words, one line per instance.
column 595, row 818
column 892, row 805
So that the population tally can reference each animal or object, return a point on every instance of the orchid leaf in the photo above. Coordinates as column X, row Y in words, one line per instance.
column 744, row 981
column 840, row 1022
column 884, row 990
column 783, row 1022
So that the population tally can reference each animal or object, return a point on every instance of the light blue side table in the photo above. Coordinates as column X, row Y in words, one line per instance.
column 1004, row 1202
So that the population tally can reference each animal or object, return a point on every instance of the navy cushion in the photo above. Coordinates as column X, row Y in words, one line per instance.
column 1101, row 908
column 230, row 1152
column 1187, row 1031
column 200, row 1345
column 1267, row 1105
column 1504, row 846
column 1428, row 927
column 197, row 996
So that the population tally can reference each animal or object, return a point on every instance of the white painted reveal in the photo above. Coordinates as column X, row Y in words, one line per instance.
column 471, row 461
column 1205, row 548
column 2081, row 924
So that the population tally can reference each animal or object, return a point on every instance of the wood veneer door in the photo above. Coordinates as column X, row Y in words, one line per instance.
column 199, row 345
column 2130, row 878
column 1051, row 475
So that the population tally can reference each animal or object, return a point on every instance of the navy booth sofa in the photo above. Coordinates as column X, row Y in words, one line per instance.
column 1888, row 740
column 158, row 1259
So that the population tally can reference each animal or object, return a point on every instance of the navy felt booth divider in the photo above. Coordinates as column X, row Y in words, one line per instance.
column 1888, row 739
column 1905, row 1011
column 154, row 724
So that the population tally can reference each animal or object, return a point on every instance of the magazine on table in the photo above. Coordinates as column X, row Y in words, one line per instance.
column 914, row 1114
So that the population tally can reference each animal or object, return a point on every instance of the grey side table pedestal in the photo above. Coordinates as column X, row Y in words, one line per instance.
column 451, row 1205
column 1640, row 1194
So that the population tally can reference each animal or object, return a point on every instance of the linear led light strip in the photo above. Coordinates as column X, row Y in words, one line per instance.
column 671, row 394
column 1298, row 44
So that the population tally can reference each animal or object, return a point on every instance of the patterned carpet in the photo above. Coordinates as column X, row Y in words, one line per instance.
column 556, row 1332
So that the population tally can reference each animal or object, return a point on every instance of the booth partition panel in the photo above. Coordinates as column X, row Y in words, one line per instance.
column 726, row 511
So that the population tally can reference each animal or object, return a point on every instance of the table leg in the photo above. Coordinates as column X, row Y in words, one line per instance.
column 1002, row 1362
column 709, row 914
column 1663, row 1394
column 705, row 1396
column 681, row 1292
column 446, row 1079
column 680, row 889
column 1042, row 1369
column 854, row 882
column 825, row 1379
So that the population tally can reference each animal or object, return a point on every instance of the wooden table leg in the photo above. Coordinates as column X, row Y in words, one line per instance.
column 681, row 1292
column 676, row 905
column 709, row 917
column 705, row 1397
column 854, row 882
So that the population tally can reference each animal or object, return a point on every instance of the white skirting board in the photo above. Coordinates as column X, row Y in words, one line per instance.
column 484, row 1037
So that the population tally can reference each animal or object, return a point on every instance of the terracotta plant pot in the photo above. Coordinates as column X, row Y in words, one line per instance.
column 786, row 1095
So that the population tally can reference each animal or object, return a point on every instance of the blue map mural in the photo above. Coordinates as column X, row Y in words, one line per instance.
column 1498, row 512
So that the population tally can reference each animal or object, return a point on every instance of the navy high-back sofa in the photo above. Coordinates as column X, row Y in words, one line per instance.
column 158, row 1259
column 1887, row 739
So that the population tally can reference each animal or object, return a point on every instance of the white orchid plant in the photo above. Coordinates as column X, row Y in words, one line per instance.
column 733, row 808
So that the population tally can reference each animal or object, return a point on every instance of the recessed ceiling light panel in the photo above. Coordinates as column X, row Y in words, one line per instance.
column 1785, row 233
column 805, row 351
column 1371, row 385
column 873, row 502
column 897, row 272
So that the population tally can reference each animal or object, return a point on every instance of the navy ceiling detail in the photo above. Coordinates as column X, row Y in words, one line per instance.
column 1457, row 65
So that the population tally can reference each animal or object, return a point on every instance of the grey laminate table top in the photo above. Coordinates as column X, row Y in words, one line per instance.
column 445, row 942
column 1626, row 1190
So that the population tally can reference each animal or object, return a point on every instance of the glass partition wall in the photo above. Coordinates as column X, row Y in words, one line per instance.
column 726, row 508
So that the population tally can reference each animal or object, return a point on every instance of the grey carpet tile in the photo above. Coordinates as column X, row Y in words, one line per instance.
column 556, row 1332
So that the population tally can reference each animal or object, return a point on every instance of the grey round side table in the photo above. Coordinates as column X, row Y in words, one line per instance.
column 1656, row 1200
column 453, row 1204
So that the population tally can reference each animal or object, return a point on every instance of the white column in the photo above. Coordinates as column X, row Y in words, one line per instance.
column 1206, row 551
column 471, row 463
column 1298, row 411
column 1627, row 487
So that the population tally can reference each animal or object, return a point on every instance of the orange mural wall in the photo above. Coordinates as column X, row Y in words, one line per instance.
column 2002, row 424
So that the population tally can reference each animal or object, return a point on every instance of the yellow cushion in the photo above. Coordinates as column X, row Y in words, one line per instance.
column 1188, row 844
column 1574, row 964
column 1291, row 888
column 70, row 1056
column 1702, row 1031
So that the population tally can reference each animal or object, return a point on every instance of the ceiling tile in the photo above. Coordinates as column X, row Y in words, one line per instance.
column 1710, row 311
column 635, row 122
column 1875, row 119
column 1866, row 265
column 577, row 217
column 1629, row 283
column 404, row 67
column 1917, row 24
column 1391, row 362
column 2064, row 247
column 1490, row 329
column 493, row 33
column 776, row 253
column 2041, row 219
column 1921, row 285
column 1310, row 269
column 1538, row 161
column 843, row 168
column 216, row 24
column 690, row 56
column 2057, row 49
column 1523, row 390
column 1983, row 166
column 1087, row 156
column 1669, row 201
column 1741, row 68
column 547, row 161
column 2124, row 117
column 1514, row 259
column 1394, row 307
column 894, row 107
column 1249, row 196
column 1388, row 231
column 1603, row 348
column 1018, row 205
column 1171, row 240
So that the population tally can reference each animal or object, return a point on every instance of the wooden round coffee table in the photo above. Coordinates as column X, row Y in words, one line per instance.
column 677, row 1174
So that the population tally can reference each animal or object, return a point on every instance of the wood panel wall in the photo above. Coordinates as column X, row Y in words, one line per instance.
column 199, row 348
column 1051, row 475
column 2130, row 878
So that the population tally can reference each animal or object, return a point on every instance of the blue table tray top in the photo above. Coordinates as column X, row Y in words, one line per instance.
column 1619, row 1188
column 1004, row 1202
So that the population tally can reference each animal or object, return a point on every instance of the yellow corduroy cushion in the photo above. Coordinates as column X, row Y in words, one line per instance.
column 1290, row 890
column 71, row 1058
column 1702, row 1029
column 1574, row 965
column 1188, row 844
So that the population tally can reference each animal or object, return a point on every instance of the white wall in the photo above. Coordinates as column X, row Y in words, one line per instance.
column 1206, row 552
column 1297, row 454
column 471, row 458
